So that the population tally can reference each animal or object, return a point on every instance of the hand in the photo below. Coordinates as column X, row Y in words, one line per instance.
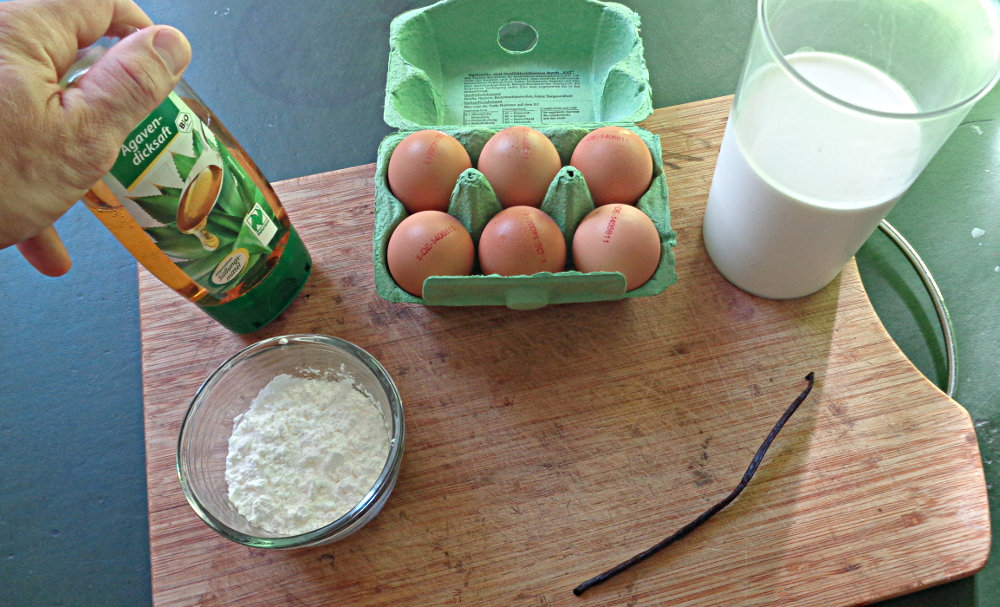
column 55, row 144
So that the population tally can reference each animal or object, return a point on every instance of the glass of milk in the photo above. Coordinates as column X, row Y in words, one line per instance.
column 840, row 106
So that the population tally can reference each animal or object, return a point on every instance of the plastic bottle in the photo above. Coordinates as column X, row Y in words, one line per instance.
column 191, row 206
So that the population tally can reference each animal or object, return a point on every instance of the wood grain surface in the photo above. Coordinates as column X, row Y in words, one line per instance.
column 544, row 447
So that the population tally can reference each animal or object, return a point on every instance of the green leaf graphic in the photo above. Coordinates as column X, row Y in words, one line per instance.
column 219, row 223
column 196, row 144
column 184, row 164
column 187, row 246
column 258, row 198
column 200, row 270
column 209, row 140
column 177, row 245
column 162, row 208
column 169, row 191
column 230, row 199
column 248, row 188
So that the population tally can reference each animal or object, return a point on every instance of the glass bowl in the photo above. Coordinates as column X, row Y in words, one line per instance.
column 204, row 437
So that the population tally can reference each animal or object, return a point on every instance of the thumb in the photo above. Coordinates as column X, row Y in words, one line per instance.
column 46, row 252
column 130, row 80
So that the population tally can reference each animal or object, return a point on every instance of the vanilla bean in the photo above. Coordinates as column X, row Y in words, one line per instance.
column 686, row 529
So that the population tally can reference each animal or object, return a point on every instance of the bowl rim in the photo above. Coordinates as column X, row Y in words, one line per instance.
column 347, row 523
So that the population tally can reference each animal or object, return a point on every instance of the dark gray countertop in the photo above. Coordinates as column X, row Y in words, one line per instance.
column 301, row 85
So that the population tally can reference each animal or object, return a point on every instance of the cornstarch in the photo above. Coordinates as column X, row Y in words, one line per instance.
column 304, row 454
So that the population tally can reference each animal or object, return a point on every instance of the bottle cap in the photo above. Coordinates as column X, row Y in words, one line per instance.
column 263, row 303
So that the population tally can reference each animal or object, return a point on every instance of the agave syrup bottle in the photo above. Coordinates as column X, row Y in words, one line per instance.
column 189, row 204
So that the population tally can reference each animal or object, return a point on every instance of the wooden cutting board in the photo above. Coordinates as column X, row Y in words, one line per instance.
column 544, row 447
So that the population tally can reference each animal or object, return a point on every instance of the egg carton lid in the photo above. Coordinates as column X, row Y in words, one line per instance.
column 500, row 62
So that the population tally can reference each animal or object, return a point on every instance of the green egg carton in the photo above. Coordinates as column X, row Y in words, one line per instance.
column 470, row 68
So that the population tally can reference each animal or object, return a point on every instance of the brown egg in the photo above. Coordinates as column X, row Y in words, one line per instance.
column 617, row 238
column 429, row 243
column 520, row 241
column 520, row 163
column 424, row 168
column 616, row 164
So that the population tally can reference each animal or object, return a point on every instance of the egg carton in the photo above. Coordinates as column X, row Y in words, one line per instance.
column 470, row 68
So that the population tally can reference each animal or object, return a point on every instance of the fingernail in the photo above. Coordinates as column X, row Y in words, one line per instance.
column 173, row 48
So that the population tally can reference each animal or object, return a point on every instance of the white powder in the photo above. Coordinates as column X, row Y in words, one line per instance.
column 304, row 454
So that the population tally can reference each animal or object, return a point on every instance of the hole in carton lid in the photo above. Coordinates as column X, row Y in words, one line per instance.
column 517, row 37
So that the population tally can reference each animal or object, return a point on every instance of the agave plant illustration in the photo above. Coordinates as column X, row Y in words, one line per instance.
column 237, row 197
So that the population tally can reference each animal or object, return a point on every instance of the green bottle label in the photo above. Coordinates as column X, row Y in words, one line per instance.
column 147, row 141
column 196, row 202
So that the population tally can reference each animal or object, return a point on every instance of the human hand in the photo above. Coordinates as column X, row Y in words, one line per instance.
column 54, row 143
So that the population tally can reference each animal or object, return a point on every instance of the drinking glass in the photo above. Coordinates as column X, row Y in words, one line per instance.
column 840, row 106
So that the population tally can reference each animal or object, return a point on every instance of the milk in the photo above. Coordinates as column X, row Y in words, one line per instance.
column 801, row 181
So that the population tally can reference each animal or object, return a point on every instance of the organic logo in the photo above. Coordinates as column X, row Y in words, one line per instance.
column 257, row 219
column 184, row 122
column 260, row 224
